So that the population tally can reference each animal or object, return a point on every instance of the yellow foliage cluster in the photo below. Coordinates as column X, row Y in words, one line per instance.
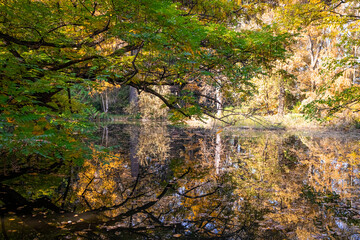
column 327, row 166
column 154, row 143
column 151, row 107
column 102, row 86
column 97, row 184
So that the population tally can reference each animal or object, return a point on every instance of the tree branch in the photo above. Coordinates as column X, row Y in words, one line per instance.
column 68, row 64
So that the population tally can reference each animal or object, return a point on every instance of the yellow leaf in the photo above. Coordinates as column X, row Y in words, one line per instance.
column 10, row 120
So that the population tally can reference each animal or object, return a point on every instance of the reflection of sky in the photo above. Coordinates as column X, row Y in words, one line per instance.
column 211, row 227
column 343, row 226
column 355, row 237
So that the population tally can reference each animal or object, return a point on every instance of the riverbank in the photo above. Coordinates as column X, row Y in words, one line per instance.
column 273, row 122
column 290, row 121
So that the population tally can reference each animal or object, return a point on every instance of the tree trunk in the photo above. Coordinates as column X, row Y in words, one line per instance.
column 134, row 99
column 217, row 152
column 354, row 67
column 281, row 105
column 104, row 102
column 218, row 102
column 267, row 102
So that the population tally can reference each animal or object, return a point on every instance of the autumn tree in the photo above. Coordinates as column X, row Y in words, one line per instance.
column 326, row 57
column 49, row 48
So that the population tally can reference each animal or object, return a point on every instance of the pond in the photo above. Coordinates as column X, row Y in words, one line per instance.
column 164, row 182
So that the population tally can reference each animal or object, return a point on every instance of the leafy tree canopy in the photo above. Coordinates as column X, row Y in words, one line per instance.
column 47, row 48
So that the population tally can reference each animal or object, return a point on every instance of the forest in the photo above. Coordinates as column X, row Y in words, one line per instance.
column 99, row 99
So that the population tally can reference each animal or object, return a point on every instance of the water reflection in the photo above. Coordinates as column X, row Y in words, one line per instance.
column 162, row 182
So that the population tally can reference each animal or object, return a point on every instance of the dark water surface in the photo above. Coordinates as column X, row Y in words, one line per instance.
column 163, row 182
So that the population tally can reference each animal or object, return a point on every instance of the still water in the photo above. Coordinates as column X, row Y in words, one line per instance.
column 164, row 182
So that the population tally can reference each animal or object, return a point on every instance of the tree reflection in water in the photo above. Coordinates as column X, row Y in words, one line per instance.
column 162, row 182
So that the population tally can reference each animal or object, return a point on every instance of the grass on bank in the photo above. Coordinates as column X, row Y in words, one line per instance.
column 288, row 121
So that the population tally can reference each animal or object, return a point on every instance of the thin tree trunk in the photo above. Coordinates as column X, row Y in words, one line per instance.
column 354, row 73
column 281, row 105
column 218, row 102
column 217, row 152
column 106, row 102
column 102, row 102
column 134, row 99
column 267, row 102
column 314, row 55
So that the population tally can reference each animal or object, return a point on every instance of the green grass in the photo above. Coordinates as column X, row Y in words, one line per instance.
column 288, row 121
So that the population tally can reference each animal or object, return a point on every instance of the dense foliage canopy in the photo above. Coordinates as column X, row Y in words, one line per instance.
column 50, row 48
column 61, row 61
